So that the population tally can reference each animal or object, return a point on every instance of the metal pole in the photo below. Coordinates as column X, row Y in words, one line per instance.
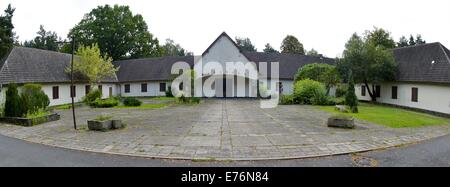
column 72, row 90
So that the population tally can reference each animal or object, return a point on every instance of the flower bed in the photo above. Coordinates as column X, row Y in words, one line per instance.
column 28, row 122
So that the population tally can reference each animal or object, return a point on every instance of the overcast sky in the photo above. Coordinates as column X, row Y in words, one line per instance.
column 324, row 25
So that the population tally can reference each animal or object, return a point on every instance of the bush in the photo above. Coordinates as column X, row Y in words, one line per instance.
column 131, row 101
column 187, row 100
column 92, row 96
column 341, row 90
column 350, row 97
column 105, row 103
column 13, row 102
column 309, row 92
column 169, row 92
column 287, row 100
column 33, row 99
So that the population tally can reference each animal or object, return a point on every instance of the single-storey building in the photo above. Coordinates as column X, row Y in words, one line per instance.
column 423, row 80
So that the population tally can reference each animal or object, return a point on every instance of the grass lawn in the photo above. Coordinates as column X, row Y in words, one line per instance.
column 159, row 98
column 390, row 116
column 145, row 106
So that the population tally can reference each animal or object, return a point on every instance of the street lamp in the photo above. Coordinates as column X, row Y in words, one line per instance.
column 72, row 90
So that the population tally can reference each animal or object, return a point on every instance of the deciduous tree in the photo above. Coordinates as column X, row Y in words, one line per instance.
column 46, row 40
column 291, row 44
column 245, row 44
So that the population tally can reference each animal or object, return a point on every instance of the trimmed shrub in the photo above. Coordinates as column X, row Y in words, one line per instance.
column 105, row 103
column 169, row 92
column 350, row 97
column 33, row 99
column 287, row 100
column 309, row 92
column 187, row 100
column 92, row 96
column 131, row 101
column 13, row 102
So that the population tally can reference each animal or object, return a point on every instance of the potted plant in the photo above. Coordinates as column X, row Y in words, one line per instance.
column 100, row 123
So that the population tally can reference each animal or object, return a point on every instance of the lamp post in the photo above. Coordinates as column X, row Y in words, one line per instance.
column 72, row 89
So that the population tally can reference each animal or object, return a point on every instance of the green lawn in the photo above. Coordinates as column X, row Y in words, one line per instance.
column 144, row 106
column 390, row 116
column 158, row 98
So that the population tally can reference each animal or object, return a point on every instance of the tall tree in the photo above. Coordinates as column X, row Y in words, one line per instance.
column 245, row 44
column 411, row 40
column 419, row 40
column 92, row 65
column 402, row 42
column 312, row 52
column 269, row 49
column 369, row 61
column 118, row 33
column 170, row 48
column 291, row 44
column 45, row 40
column 6, row 31
column 380, row 37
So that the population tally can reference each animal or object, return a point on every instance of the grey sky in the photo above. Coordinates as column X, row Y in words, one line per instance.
column 324, row 25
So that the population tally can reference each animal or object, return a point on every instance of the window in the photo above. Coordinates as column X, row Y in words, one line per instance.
column 55, row 92
column 100, row 88
column 87, row 89
column 181, row 87
column 162, row 87
column 377, row 91
column 143, row 87
column 414, row 94
column 394, row 92
column 127, row 88
column 73, row 91
column 363, row 90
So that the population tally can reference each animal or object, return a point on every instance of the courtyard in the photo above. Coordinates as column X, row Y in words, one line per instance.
column 220, row 129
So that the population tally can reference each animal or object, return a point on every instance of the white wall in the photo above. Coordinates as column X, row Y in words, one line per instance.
column 288, row 86
column 432, row 97
column 135, row 89
column 64, row 92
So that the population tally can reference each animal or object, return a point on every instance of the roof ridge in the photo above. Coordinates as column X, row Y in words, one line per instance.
column 417, row 45
column 445, row 52
column 151, row 58
column 42, row 50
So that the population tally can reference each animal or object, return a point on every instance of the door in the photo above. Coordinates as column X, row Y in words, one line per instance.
column 110, row 92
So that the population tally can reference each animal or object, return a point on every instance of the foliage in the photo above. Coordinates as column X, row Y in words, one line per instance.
column 390, row 116
column 341, row 90
column 245, row 44
column 33, row 99
column 92, row 96
column 92, row 65
column 312, row 52
column 403, row 42
column 13, row 102
column 169, row 92
column 37, row 114
column 350, row 97
column 105, row 103
column 187, row 100
column 380, row 37
column 131, row 101
column 370, row 63
column 323, row 73
column 46, row 40
column 269, row 49
column 103, row 117
column 170, row 48
column 287, row 100
column 291, row 44
column 309, row 92
column 6, row 31
column 144, row 106
column 118, row 33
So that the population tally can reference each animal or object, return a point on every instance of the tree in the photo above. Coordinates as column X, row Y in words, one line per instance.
column 45, row 40
column 312, row 52
column 6, row 31
column 245, row 44
column 291, row 44
column 13, row 106
column 269, row 49
column 369, row 62
column 170, row 48
column 324, row 73
column 419, row 40
column 380, row 37
column 118, row 33
column 350, row 97
column 91, row 65
column 403, row 42
column 412, row 42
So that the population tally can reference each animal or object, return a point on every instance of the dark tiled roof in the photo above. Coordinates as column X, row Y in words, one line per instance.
column 28, row 65
column 149, row 69
column 288, row 63
column 415, row 63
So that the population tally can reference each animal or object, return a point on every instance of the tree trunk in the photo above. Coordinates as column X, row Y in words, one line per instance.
column 371, row 93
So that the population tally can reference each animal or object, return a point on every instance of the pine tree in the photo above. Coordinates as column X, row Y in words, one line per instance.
column 350, row 97
column 13, row 106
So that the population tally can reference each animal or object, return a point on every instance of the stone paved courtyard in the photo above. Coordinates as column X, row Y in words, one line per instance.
column 219, row 129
